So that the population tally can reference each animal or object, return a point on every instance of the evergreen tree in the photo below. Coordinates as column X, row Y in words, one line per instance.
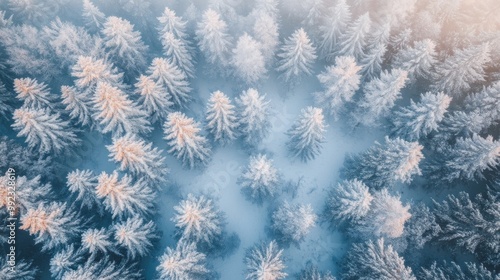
column 340, row 82
column 254, row 116
column 421, row 228
column 82, row 183
column 170, row 22
column 384, row 165
column 471, row 224
column 123, row 197
column 294, row 222
column 265, row 262
column 221, row 118
column 461, row 124
column 179, row 51
column 375, row 260
column 103, row 269
column 88, row 71
column 307, row 134
column 28, row 193
column 24, row 270
column 78, row 104
column 260, row 177
column 44, row 130
column 350, row 200
column 465, row 67
column 353, row 40
column 185, row 141
column 420, row 119
column 247, row 59
column 116, row 113
column 183, row 262
column 98, row 241
column 124, row 43
column 54, row 224
column 93, row 17
column 372, row 60
column 265, row 31
column 139, row 158
column 65, row 260
column 297, row 56
column 5, row 100
column 154, row 99
column 487, row 103
column 33, row 94
column 471, row 157
column 453, row 271
column 197, row 220
column 213, row 39
column 386, row 216
column 172, row 78
column 417, row 60
column 311, row 273
column 332, row 27
column 381, row 95
column 135, row 235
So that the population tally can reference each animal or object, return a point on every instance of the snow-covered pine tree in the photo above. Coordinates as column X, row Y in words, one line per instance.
column 198, row 220
column 65, row 260
column 185, row 141
column 349, row 200
column 417, row 60
column 380, row 95
column 421, row 228
column 78, row 105
column 180, row 53
column 170, row 22
column 139, row 158
column 340, row 82
column 420, row 119
column 88, row 71
column 213, row 38
column 28, row 192
column 254, row 112
column 265, row 31
column 33, row 94
column 103, row 269
column 471, row 224
column 459, row 71
column 373, row 58
column 116, row 113
column 260, row 178
column 93, row 17
column 311, row 272
column 293, row 221
column 384, row 165
column 82, row 184
column 221, row 118
column 124, row 44
column 470, row 157
column 124, row 197
column 460, row 124
column 487, row 103
column 172, row 78
column 353, row 40
column 307, row 134
column 44, row 130
column 453, row 271
column 386, row 216
column 24, row 270
column 265, row 262
column 296, row 56
column 375, row 260
column 54, row 224
column 135, row 235
column 98, row 241
column 332, row 27
column 182, row 262
column 247, row 60
column 154, row 99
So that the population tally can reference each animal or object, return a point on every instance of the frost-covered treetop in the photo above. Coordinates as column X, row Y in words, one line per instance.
column 265, row 263
column 181, row 263
column 88, row 71
column 170, row 22
column 33, row 93
column 261, row 175
column 387, row 215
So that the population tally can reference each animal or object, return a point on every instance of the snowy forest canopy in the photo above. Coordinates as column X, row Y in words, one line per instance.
column 261, row 140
